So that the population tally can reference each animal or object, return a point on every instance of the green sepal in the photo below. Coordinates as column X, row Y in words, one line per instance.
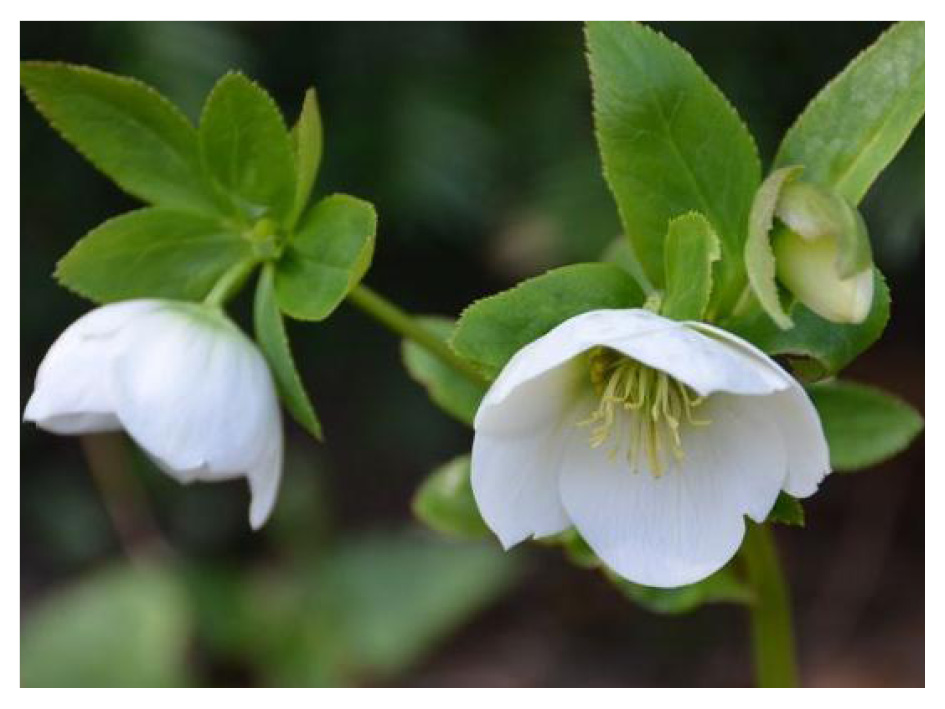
column 326, row 257
column 670, row 143
column 151, row 253
column 815, row 347
column 493, row 329
column 456, row 394
column 308, row 142
column 864, row 425
column 759, row 256
column 126, row 129
column 247, row 149
column 855, row 126
column 274, row 342
column 692, row 247
column 787, row 510
column 445, row 501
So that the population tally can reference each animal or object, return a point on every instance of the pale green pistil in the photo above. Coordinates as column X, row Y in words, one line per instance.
column 644, row 404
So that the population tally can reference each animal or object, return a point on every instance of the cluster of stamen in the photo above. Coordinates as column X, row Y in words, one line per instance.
column 642, row 408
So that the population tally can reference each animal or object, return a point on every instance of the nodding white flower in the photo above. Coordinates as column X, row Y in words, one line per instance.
column 182, row 379
column 652, row 437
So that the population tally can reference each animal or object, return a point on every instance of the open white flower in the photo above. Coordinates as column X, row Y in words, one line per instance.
column 652, row 437
column 182, row 379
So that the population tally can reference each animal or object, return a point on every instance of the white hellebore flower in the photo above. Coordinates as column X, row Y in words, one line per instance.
column 653, row 438
column 182, row 379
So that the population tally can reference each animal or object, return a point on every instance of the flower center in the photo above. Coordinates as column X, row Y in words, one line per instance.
column 643, row 405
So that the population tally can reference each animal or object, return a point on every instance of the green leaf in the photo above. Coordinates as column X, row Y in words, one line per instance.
column 493, row 329
column 620, row 252
column 855, row 126
column 724, row 586
column 864, row 426
column 787, row 510
column 445, row 501
column 816, row 347
column 307, row 141
column 456, row 394
column 247, row 148
column 152, row 252
column 125, row 626
column 126, row 129
column 272, row 338
column 326, row 258
column 759, row 257
column 692, row 247
column 670, row 144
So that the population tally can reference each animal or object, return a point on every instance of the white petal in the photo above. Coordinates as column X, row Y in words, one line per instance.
column 807, row 450
column 265, row 476
column 73, row 388
column 516, row 456
column 681, row 527
column 196, row 395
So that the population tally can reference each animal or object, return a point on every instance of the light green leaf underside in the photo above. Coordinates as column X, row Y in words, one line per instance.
column 855, row 126
column 445, row 501
column 152, row 252
column 818, row 348
column 454, row 393
column 126, row 129
column 246, row 147
column 759, row 257
column 493, row 329
column 272, row 338
column 122, row 626
column 864, row 425
column 692, row 247
column 670, row 144
column 327, row 257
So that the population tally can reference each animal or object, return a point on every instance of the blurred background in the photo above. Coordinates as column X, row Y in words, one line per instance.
column 475, row 143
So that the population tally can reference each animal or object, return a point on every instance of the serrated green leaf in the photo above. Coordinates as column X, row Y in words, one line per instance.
column 816, row 347
column 493, row 329
column 246, row 147
column 152, row 252
column 864, row 425
column 759, row 257
column 724, row 586
column 307, row 141
column 327, row 257
column 126, row 129
column 855, row 126
column 451, row 391
column 787, row 510
column 124, row 626
column 692, row 247
column 272, row 338
column 445, row 501
column 670, row 144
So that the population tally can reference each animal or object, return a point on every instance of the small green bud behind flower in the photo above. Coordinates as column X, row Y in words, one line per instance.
column 822, row 252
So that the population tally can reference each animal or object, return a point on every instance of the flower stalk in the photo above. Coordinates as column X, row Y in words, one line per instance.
column 230, row 283
column 772, row 633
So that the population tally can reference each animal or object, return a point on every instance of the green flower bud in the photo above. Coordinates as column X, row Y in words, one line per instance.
column 822, row 252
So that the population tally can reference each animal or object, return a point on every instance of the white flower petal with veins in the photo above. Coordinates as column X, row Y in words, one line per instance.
column 185, row 383
column 535, row 471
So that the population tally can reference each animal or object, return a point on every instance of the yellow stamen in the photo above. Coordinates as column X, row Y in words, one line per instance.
column 657, row 406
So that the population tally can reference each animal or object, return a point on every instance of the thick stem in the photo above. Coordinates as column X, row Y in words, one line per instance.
column 772, row 633
column 402, row 323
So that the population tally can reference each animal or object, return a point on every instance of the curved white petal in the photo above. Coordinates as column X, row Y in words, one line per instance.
column 680, row 527
column 198, row 397
column 72, row 393
column 702, row 362
column 516, row 456
column 807, row 450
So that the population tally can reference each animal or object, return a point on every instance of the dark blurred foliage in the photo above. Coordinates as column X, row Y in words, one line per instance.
column 475, row 142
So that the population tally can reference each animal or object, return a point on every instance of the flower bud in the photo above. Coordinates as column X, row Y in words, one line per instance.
column 822, row 252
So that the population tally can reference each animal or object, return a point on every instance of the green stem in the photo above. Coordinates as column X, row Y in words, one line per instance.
column 404, row 324
column 230, row 282
column 772, row 633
